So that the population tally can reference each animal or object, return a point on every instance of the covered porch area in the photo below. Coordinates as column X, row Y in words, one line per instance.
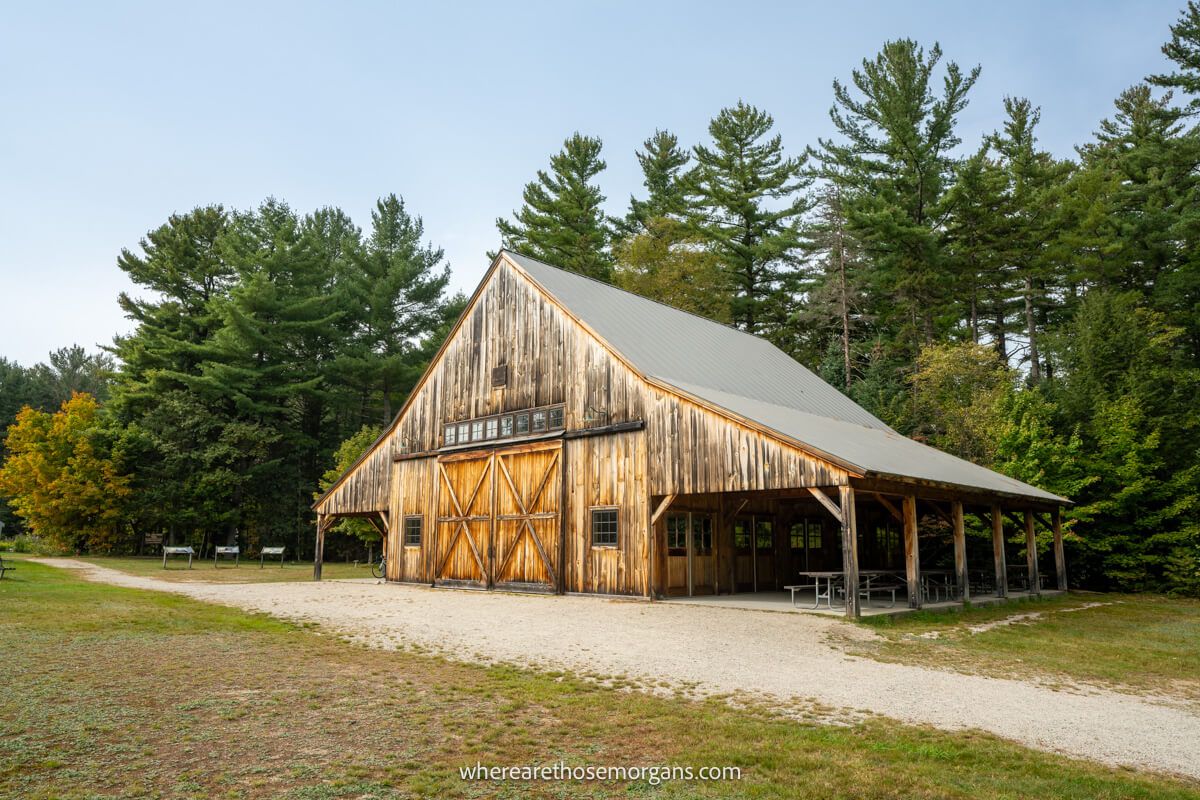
column 867, row 547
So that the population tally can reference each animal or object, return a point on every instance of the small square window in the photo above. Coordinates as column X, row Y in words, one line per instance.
column 506, row 426
column 412, row 531
column 464, row 433
column 539, row 421
column 555, row 419
column 449, row 437
column 604, row 527
column 492, row 426
column 522, row 423
column 477, row 431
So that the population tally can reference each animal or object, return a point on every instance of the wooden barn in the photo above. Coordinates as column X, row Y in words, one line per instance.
column 573, row 437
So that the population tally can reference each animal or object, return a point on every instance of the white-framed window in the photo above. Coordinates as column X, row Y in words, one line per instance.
column 449, row 436
column 605, row 527
column 493, row 425
column 477, row 431
column 464, row 433
column 539, row 421
column 412, row 531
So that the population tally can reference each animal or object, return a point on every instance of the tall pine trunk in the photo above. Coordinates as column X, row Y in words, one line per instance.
column 1035, row 368
column 845, row 308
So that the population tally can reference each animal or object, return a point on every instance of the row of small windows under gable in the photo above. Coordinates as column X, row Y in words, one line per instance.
column 503, row 426
column 605, row 529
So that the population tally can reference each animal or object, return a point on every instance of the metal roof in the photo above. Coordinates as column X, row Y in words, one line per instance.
column 755, row 380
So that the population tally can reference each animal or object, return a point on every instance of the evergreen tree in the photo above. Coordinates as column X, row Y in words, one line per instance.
column 1184, row 50
column 397, row 284
column 746, row 201
column 663, row 162
column 832, row 315
column 561, row 221
column 976, row 238
column 1025, row 242
column 894, row 161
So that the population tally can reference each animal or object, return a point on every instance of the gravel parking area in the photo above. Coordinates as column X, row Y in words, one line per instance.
column 784, row 658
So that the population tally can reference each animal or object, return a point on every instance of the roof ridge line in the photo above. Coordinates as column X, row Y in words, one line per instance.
column 711, row 321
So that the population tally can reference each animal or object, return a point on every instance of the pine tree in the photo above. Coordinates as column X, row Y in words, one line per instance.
column 746, row 205
column 895, row 162
column 976, row 233
column 398, row 284
column 181, row 270
column 834, row 293
column 663, row 162
column 1033, row 179
column 561, row 221
column 1184, row 49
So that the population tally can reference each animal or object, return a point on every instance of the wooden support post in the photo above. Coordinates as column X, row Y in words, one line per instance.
column 960, row 551
column 319, row 550
column 912, row 554
column 1060, row 557
column 1035, row 584
column 849, row 549
column 655, row 572
column 998, row 552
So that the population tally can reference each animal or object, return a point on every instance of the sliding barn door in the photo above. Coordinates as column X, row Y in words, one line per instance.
column 464, row 520
column 499, row 518
column 528, row 518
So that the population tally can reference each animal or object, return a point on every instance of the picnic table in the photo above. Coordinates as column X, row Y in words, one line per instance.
column 873, row 580
column 270, row 551
column 178, row 551
column 828, row 576
column 234, row 551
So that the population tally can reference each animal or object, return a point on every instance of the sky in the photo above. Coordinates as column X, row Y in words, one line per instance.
column 115, row 115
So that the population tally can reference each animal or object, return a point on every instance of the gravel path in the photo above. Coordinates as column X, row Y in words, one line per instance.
column 787, row 657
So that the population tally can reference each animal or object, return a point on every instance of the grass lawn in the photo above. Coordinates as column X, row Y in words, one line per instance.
column 247, row 572
column 111, row 692
column 1133, row 642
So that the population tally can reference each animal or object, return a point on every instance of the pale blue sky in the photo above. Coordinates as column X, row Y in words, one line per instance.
column 117, row 114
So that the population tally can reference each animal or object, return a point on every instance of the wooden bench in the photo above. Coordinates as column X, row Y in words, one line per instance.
column 270, row 551
column 234, row 551
column 5, row 568
column 178, row 551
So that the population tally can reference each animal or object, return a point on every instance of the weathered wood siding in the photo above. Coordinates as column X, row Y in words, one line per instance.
column 366, row 488
column 412, row 494
column 550, row 360
column 608, row 471
column 692, row 451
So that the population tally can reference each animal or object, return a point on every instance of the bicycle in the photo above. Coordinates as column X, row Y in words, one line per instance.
column 379, row 568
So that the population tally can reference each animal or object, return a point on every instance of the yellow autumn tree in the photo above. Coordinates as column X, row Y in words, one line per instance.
column 58, row 478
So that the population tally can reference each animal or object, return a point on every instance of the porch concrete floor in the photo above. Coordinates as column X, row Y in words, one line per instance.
column 782, row 601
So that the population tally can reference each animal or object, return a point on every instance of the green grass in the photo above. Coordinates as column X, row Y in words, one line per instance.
column 1135, row 643
column 247, row 572
column 111, row 692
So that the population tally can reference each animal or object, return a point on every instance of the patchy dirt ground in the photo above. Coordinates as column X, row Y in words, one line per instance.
column 716, row 651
